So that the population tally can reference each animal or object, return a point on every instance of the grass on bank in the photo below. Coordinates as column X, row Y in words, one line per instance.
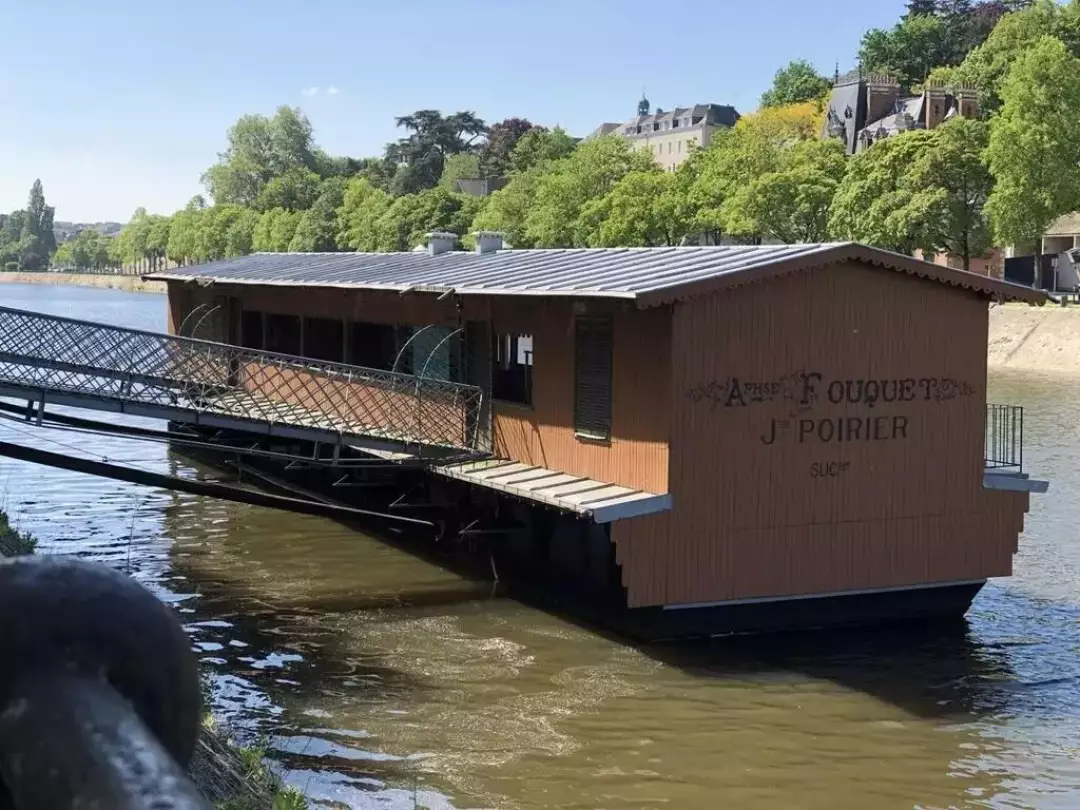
column 230, row 776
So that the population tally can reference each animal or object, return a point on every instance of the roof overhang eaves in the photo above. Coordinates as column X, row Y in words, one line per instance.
column 619, row 295
column 848, row 251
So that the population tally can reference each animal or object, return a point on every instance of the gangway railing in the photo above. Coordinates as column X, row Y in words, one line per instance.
column 47, row 354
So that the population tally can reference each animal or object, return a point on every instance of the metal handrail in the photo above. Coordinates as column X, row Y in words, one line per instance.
column 46, row 352
column 1004, row 437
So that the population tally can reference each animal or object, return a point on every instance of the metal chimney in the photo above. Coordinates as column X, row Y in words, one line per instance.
column 440, row 242
column 488, row 242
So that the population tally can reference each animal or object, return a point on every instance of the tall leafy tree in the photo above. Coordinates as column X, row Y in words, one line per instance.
column 910, row 50
column 260, row 149
column 794, row 83
column 954, row 181
column 462, row 166
column 507, row 210
column 538, row 147
column 295, row 190
column 36, row 241
column 275, row 230
column 876, row 205
column 404, row 223
column 432, row 138
column 502, row 138
column 639, row 211
column 1034, row 150
column 361, row 208
column 791, row 203
column 318, row 228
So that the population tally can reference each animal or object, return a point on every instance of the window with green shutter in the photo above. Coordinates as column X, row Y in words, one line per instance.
column 592, row 377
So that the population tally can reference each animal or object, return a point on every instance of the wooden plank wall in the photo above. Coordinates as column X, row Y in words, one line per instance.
column 769, row 499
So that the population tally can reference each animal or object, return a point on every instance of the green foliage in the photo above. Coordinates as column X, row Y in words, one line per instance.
column 462, row 166
column 796, row 82
column 318, row 227
column 1034, row 149
column 14, row 543
column 361, row 208
column 26, row 237
column 637, row 212
column 907, row 51
column 954, row 182
column 875, row 205
column 89, row 251
column 502, row 139
column 791, row 203
column 296, row 190
column 146, row 237
column 405, row 222
column 540, row 147
column 507, row 209
column 432, row 139
column 561, row 193
column 260, row 149
column 987, row 66
column 275, row 230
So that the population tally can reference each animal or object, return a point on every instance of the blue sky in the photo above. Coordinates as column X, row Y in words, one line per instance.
column 120, row 104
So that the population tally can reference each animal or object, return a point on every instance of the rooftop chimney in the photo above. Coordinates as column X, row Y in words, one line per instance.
column 440, row 242
column 488, row 242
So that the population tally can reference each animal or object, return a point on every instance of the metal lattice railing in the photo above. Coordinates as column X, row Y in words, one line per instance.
column 1004, row 446
column 48, row 353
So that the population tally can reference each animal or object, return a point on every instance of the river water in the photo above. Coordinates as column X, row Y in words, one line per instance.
column 378, row 680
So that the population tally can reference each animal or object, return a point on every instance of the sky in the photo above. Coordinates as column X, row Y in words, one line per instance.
column 116, row 105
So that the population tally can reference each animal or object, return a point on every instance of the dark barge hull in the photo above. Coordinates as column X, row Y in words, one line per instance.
column 561, row 563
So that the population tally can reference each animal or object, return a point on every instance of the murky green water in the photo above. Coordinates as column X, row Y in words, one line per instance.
column 382, row 681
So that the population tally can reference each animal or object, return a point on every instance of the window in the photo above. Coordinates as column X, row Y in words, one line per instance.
column 324, row 339
column 680, row 147
column 512, row 368
column 283, row 333
column 376, row 345
column 592, row 373
column 251, row 329
column 675, row 122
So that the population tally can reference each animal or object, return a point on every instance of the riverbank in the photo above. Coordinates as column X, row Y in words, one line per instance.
column 100, row 281
column 1035, row 338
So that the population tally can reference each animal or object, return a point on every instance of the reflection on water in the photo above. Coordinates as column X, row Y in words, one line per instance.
column 383, row 681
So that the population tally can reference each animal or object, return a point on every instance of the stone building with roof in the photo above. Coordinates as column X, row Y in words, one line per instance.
column 864, row 109
column 673, row 134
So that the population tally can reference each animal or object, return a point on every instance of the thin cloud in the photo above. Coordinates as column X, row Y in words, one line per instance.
column 332, row 91
column 310, row 91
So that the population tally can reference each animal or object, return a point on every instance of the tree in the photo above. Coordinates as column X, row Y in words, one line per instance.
column 421, row 155
column 361, row 208
column 916, row 8
column 507, row 209
column 405, row 222
column 955, row 182
column 797, row 82
column 639, row 211
column 538, row 147
column 296, row 190
column 462, row 166
column 588, row 174
column 259, row 150
column 36, row 241
column 876, row 205
column 502, row 138
column 790, row 204
column 318, row 228
column 987, row 66
column 184, row 233
column 275, row 230
column 1034, row 149
column 145, row 237
column 909, row 50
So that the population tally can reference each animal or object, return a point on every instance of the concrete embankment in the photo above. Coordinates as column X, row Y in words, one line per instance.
column 1037, row 338
column 102, row 281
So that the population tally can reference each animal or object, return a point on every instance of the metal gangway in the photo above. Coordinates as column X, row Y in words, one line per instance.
column 63, row 361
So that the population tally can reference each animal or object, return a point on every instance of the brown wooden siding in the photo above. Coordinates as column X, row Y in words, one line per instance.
column 637, row 454
column 751, row 518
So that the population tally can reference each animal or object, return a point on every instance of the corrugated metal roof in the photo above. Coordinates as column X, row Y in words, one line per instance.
column 649, row 276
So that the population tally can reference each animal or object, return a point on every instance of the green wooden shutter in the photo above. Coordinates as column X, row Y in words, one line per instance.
column 592, row 377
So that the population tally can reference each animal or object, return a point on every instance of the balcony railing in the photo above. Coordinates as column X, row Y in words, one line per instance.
column 1004, row 448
